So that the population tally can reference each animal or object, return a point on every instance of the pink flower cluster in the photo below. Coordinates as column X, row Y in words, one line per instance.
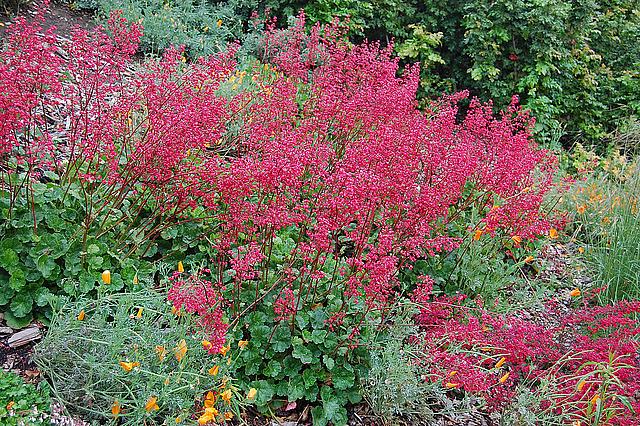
column 196, row 295
column 325, row 144
column 470, row 349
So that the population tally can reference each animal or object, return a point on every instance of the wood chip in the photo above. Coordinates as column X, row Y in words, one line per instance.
column 24, row 337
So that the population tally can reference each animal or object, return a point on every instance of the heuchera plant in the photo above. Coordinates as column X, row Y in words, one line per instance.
column 318, row 172
column 589, row 355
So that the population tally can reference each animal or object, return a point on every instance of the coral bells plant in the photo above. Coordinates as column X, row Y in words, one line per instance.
column 331, row 148
column 317, row 173
column 589, row 357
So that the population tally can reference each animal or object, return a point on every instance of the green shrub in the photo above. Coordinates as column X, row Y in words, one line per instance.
column 201, row 26
column 22, row 403
column 121, row 350
column 48, row 245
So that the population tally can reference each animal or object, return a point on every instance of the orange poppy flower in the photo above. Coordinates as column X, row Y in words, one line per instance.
column 181, row 350
column 115, row 408
column 128, row 366
column 152, row 404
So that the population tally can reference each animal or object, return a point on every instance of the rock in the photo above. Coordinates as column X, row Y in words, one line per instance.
column 24, row 337
column 5, row 330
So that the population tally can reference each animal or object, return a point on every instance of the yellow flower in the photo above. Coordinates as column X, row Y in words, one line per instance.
column 209, row 415
column 580, row 250
column 252, row 394
column 139, row 314
column 209, row 400
column 553, row 233
column 529, row 259
column 226, row 396
column 175, row 311
column 575, row 292
column 501, row 362
column 161, row 351
column 115, row 408
column 207, row 345
column 128, row 366
column 477, row 234
column 581, row 384
column 595, row 399
column 225, row 349
column 450, row 385
column 581, row 209
column 214, row 370
column 135, row 280
column 106, row 277
column 178, row 419
column 81, row 315
column 504, row 378
column 228, row 415
column 219, row 23
column 180, row 267
column 243, row 344
column 152, row 404
column 453, row 373
column 516, row 239
column 10, row 405
column 181, row 350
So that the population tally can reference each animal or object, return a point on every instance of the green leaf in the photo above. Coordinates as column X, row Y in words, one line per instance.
column 46, row 265
column 265, row 392
column 42, row 296
column 317, row 318
column 8, row 258
column 6, row 292
column 343, row 378
column 296, row 389
column 328, row 361
column 96, row 262
column 17, row 279
column 301, row 352
column 281, row 340
column 332, row 407
column 319, row 417
column 86, row 282
column 291, row 366
column 311, row 376
column 16, row 322
column 273, row 368
column 259, row 333
column 93, row 249
column 21, row 304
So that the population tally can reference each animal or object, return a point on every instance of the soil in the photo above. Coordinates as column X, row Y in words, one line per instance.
column 58, row 15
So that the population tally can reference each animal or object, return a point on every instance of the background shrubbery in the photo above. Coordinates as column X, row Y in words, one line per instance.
column 574, row 64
